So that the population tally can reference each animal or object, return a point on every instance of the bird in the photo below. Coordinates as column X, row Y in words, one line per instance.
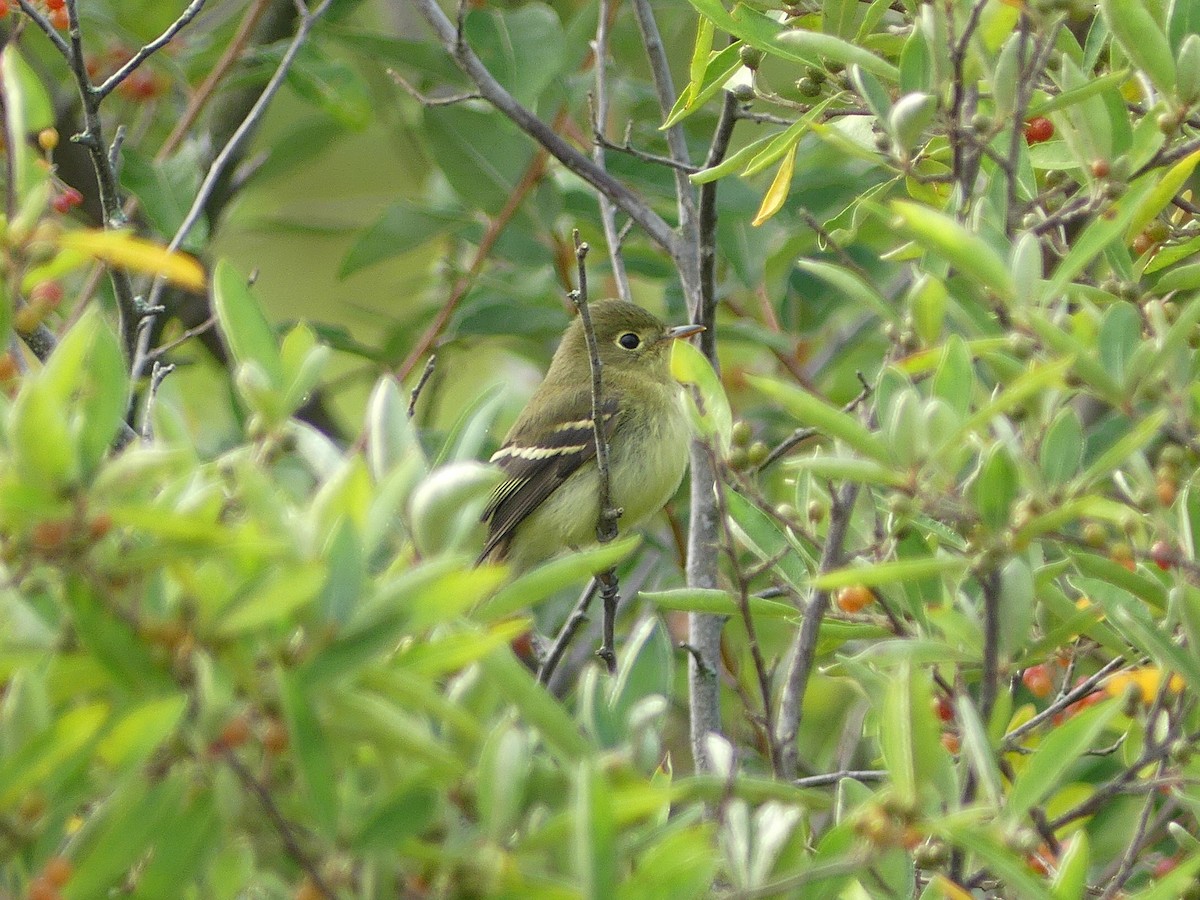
column 549, row 498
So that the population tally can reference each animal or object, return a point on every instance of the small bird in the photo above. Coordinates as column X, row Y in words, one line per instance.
column 549, row 500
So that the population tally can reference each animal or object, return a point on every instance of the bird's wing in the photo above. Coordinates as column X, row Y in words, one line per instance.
column 536, row 468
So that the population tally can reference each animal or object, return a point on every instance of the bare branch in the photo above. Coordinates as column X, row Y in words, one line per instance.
column 494, row 93
column 102, row 90
column 608, row 211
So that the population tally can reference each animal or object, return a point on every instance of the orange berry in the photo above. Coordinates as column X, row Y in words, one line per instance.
column 57, row 871
column 5, row 9
column 308, row 891
column 48, row 139
column 41, row 889
column 46, row 294
column 275, row 737
column 235, row 733
column 8, row 367
column 52, row 5
column 951, row 741
column 1165, row 490
column 1100, row 168
column 100, row 525
column 59, row 18
column 51, row 535
column 1141, row 243
column 1037, row 679
column 854, row 597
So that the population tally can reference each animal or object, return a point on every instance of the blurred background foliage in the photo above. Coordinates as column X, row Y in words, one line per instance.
column 245, row 653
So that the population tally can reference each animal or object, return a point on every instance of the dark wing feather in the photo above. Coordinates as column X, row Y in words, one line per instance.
column 534, row 471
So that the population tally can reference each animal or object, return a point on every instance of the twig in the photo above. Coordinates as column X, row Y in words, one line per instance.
column 208, row 87
column 643, row 155
column 567, row 633
column 157, row 373
column 426, row 373
column 607, row 514
column 285, row 830
column 743, row 600
column 495, row 94
column 92, row 139
column 103, row 89
column 529, row 180
column 431, row 102
column 1085, row 687
column 989, row 581
column 791, row 703
column 832, row 778
column 608, row 214
column 164, row 349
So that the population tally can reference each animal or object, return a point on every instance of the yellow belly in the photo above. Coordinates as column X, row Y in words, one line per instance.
column 646, row 463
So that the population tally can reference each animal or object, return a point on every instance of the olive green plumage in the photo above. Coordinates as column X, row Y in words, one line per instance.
column 549, row 501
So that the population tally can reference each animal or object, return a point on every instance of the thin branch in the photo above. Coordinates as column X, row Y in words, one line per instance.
column 426, row 374
column 430, row 102
column 529, row 180
column 608, row 215
column 989, row 581
column 653, row 158
column 102, row 90
column 832, row 778
column 494, row 93
column 208, row 87
column 791, row 703
column 284, row 828
column 1081, row 690
column 606, row 514
column 92, row 139
column 164, row 349
column 567, row 633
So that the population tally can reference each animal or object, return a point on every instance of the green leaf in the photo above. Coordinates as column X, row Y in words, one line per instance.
column 402, row 228
column 535, row 706
column 1061, row 451
column 947, row 239
column 536, row 585
column 716, row 74
column 312, row 754
column 978, row 750
column 275, row 602
column 889, row 572
column 1165, row 188
column 852, row 285
column 1046, row 768
column 717, row 602
column 1142, row 40
column 708, row 404
column 140, row 731
column 243, row 325
column 595, row 833
column 1134, row 440
column 813, row 411
column 1070, row 881
column 333, row 86
column 995, row 487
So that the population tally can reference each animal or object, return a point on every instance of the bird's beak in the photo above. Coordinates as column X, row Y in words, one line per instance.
column 682, row 331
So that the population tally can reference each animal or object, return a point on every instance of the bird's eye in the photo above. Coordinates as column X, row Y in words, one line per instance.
column 629, row 341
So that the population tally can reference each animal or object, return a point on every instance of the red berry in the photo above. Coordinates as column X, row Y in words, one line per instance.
column 54, row 5
column 1163, row 555
column 4, row 8
column 59, row 18
column 61, row 204
column 1038, row 129
column 951, row 741
column 1037, row 680
column 1100, row 168
column 943, row 709
column 46, row 294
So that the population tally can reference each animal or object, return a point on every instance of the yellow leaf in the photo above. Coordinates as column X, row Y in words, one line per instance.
column 125, row 251
column 772, row 201
column 950, row 890
column 1147, row 679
